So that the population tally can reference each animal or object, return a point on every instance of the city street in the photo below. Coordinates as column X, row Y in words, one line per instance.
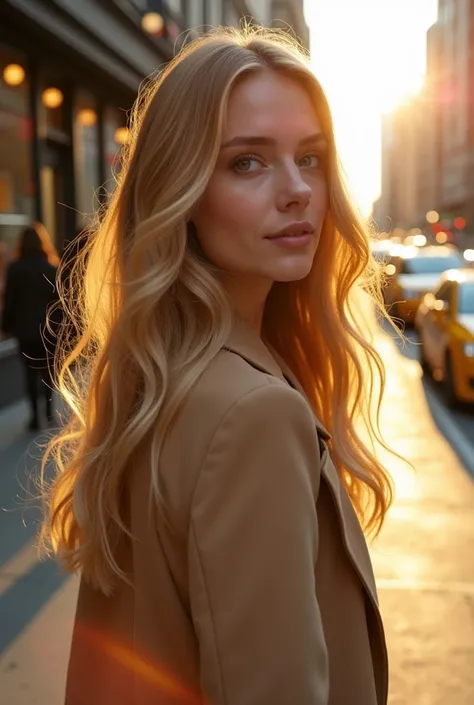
column 423, row 558
column 112, row 115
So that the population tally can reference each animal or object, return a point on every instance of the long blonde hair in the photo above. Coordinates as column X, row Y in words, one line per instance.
column 152, row 314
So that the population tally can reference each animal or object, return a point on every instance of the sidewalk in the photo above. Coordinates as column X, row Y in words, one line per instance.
column 423, row 562
column 424, row 558
column 36, row 601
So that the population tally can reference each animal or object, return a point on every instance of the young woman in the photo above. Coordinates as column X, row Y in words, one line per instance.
column 212, row 485
column 30, row 290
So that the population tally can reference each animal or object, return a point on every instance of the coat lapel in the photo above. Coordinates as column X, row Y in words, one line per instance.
column 353, row 536
column 246, row 342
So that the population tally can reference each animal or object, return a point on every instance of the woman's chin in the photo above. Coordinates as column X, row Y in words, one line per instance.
column 294, row 272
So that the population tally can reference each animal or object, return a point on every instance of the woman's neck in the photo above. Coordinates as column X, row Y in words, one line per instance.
column 248, row 296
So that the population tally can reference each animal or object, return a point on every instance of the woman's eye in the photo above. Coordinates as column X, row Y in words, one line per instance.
column 246, row 164
column 310, row 160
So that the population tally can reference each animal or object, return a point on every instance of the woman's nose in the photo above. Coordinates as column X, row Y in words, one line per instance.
column 294, row 189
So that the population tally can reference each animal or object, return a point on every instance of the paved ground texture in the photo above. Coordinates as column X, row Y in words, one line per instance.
column 424, row 558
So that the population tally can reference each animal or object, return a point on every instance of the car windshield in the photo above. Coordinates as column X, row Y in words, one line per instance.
column 430, row 265
column 466, row 298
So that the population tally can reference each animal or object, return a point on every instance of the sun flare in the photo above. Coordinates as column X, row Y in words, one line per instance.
column 369, row 56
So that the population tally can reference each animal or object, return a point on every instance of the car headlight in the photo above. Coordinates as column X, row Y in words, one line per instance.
column 468, row 349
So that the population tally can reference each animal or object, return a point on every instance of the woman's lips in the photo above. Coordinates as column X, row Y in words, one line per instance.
column 293, row 230
column 292, row 240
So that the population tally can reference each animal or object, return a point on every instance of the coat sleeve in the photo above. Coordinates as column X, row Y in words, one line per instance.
column 252, row 553
column 7, row 323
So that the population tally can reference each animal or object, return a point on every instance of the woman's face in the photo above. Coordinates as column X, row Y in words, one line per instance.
column 261, row 215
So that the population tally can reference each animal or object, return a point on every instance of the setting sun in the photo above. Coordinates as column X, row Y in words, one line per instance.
column 369, row 56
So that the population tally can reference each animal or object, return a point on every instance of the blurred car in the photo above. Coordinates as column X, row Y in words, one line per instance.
column 414, row 272
column 384, row 252
column 445, row 324
column 381, row 249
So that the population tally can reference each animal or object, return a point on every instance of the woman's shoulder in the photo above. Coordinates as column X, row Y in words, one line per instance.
column 231, row 380
column 232, row 388
column 230, row 385
column 26, row 264
column 231, row 400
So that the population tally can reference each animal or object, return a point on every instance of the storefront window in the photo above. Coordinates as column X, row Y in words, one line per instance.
column 86, row 157
column 16, row 187
column 51, row 116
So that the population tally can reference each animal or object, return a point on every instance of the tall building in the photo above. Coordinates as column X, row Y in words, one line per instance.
column 456, row 98
column 282, row 14
column 201, row 14
column 442, row 120
column 290, row 14
column 398, row 206
column 384, row 209
column 430, row 137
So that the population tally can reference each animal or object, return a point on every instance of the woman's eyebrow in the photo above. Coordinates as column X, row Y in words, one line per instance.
column 261, row 140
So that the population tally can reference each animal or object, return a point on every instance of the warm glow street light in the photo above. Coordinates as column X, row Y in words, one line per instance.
column 87, row 117
column 153, row 23
column 122, row 135
column 14, row 74
column 52, row 97
column 432, row 217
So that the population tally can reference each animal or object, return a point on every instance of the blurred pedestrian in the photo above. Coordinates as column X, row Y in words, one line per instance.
column 3, row 270
column 30, row 290
column 212, row 482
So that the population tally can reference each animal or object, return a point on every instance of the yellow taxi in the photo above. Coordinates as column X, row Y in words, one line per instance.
column 413, row 272
column 445, row 325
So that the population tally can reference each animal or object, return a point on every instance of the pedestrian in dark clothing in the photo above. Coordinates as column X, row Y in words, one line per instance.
column 30, row 291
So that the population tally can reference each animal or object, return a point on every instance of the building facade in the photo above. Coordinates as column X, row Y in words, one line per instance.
column 430, row 135
column 456, row 80
column 437, row 136
column 69, row 75
column 401, row 153
column 289, row 14
column 384, row 209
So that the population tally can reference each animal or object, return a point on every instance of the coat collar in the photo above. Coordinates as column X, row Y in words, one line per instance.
column 246, row 342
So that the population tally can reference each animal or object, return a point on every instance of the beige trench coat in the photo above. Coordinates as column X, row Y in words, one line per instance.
column 257, row 587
